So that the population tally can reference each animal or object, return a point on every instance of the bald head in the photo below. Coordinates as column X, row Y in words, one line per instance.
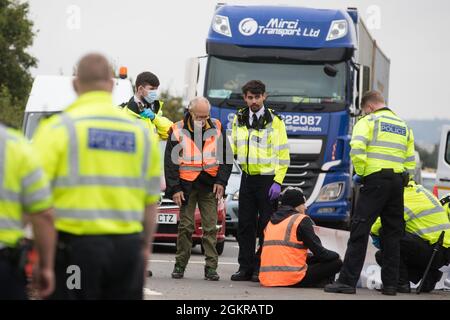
column 199, row 109
column 94, row 73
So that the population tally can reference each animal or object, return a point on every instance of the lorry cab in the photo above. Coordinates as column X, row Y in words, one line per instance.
column 315, row 64
column 52, row 94
column 443, row 168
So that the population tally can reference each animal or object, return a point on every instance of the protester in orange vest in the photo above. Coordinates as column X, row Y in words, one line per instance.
column 288, row 236
column 197, row 172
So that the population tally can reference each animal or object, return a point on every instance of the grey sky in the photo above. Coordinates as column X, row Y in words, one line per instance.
column 160, row 35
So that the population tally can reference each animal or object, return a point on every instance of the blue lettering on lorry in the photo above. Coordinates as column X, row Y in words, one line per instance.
column 313, row 71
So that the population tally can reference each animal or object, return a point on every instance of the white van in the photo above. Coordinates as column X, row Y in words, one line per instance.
column 52, row 94
column 443, row 171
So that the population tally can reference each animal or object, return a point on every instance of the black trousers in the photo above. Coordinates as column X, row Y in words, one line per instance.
column 254, row 213
column 99, row 267
column 319, row 274
column 381, row 194
column 12, row 282
column 415, row 254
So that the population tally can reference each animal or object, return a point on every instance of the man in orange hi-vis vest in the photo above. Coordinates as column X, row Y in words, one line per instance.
column 288, row 236
column 197, row 171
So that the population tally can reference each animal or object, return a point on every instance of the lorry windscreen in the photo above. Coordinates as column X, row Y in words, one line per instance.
column 287, row 84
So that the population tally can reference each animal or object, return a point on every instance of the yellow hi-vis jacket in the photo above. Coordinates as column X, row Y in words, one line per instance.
column 382, row 140
column 23, row 186
column 424, row 216
column 445, row 202
column 104, row 167
column 160, row 125
column 262, row 151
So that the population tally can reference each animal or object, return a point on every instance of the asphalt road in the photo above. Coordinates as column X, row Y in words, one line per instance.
column 193, row 287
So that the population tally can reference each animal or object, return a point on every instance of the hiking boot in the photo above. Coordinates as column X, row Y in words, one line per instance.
column 178, row 272
column 211, row 274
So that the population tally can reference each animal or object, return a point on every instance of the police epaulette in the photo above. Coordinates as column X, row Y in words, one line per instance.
column 275, row 113
column 445, row 200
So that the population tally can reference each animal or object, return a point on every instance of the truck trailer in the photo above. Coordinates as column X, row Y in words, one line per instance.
column 316, row 64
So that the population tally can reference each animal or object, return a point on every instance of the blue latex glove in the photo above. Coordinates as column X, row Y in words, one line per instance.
column 376, row 241
column 148, row 114
column 357, row 179
column 274, row 191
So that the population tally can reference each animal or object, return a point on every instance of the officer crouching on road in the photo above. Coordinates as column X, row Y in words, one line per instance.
column 382, row 152
column 425, row 219
column 287, row 238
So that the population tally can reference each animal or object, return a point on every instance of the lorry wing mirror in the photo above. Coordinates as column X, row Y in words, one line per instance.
column 330, row 70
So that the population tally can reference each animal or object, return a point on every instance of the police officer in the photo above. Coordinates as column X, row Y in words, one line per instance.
column 146, row 106
column 382, row 150
column 196, row 174
column 105, row 210
column 445, row 202
column 425, row 219
column 259, row 143
column 23, row 189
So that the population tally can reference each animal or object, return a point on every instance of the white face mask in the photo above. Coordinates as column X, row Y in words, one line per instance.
column 151, row 96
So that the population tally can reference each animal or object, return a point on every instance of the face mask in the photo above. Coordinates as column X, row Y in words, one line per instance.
column 199, row 123
column 151, row 96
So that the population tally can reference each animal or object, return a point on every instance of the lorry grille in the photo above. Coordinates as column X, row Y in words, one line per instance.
column 302, row 173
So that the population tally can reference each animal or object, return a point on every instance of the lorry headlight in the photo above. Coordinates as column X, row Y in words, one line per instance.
column 331, row 192
column 338, row 29
column 236, row 196
column 221, row 25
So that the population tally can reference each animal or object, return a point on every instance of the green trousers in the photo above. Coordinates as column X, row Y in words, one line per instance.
column 207, row 204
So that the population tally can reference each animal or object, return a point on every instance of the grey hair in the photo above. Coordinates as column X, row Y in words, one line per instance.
column 193, row 103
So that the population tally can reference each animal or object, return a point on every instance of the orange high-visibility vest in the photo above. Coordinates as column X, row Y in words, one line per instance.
column 193, row 161
column 283, row 258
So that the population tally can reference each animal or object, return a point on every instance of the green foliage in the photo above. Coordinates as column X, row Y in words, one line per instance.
column 173, row 106
column 16, row 35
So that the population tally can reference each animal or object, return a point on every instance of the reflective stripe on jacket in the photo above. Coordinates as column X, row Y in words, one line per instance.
column 283, row 257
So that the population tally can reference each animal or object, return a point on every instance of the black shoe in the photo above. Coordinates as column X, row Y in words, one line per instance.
column 178, row 272
column 241, row 276
column 255, row 276
column 149, row 273
column 211, row 274
column 403, row 288
column 338, row 287
column 389, row 290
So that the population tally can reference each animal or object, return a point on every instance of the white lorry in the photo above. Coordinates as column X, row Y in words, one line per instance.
column 443, row 169
column 52, row 94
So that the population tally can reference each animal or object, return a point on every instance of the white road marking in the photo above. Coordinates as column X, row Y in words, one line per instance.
column 149, row 292
column 195, row 262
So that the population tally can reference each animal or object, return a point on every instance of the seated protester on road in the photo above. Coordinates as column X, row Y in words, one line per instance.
column 425, row 219
column 288, row 236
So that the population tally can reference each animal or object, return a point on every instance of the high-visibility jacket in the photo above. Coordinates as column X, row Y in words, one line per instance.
column 23, row 185
column 160, row 125
column 445, row 202
column 424, row 215
column 283, row 257
column 104, row 167
column 192, row 161
column 382, row 140
column 261, row 151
